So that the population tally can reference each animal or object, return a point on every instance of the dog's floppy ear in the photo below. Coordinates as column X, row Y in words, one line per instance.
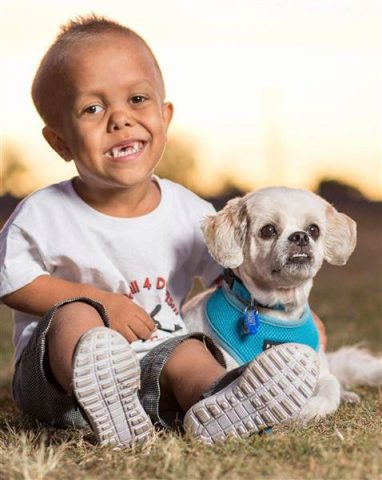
column 225, row 233
column 340, row 238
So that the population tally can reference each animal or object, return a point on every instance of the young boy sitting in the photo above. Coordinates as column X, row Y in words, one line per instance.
column 98, row 267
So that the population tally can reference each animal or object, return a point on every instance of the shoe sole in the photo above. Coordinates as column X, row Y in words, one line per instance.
column 106, row 379
column 272, row 390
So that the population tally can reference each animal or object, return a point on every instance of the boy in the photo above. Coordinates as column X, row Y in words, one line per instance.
column 94, row 254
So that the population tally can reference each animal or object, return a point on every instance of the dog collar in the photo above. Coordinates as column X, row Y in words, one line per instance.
column 238, row 288
column 251, row 315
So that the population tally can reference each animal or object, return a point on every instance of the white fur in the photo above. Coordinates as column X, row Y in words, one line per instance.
column 267, row 269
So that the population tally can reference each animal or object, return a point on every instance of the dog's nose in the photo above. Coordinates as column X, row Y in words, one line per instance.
column 300, row 238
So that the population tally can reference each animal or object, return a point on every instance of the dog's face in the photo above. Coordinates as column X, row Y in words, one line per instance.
column 278, row 237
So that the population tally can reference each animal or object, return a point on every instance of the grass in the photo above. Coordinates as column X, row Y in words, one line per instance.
column 346, row 445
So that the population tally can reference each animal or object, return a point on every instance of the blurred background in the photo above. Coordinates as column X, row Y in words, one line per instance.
column 266, row 92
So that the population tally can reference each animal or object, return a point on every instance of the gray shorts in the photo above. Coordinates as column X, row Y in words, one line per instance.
column 37, row 393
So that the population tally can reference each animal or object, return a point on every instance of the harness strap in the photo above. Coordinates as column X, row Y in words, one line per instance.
column 225, row 314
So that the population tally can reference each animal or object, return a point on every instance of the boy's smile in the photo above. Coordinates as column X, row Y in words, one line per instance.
column 114, row 121
column 126, row 150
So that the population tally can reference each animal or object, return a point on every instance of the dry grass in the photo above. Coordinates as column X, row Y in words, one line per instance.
column 345, row 446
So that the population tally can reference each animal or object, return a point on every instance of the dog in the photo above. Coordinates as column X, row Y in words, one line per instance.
column 272, row 242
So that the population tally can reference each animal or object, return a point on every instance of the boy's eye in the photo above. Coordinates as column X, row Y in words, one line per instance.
column 92, row 109
column 136, row 99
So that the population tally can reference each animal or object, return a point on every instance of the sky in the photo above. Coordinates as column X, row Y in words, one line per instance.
column 265, row 91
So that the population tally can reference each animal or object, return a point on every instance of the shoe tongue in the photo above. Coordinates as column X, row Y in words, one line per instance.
column 224, row 381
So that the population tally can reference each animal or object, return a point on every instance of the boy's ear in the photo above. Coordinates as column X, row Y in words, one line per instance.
column 168, row 111
column 57, row 143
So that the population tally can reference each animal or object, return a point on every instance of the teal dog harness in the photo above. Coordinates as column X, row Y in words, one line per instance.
column 244, row 332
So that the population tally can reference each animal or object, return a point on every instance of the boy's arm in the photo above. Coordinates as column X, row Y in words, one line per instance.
column 45, row 291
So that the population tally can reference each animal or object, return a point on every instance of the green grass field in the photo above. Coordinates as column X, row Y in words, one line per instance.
column 346, row 445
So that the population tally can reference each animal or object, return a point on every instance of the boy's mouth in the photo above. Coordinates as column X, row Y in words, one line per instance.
column 125, row 149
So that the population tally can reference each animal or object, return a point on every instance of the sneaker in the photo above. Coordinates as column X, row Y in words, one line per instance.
column 106, row 379
column 269, row 390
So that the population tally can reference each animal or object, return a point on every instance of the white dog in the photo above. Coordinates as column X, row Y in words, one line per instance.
column 273, row 242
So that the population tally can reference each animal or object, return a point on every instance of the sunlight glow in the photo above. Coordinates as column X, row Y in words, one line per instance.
column 268, row 92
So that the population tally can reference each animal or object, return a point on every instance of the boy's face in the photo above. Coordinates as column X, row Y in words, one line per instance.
column 114, row 123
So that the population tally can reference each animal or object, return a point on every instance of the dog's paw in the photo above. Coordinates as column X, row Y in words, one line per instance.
column 350, row 397
column 315, row 409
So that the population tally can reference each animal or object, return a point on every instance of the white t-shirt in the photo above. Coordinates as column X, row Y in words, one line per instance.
column 152, row 259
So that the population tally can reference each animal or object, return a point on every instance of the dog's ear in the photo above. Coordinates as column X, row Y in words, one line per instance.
column 340, row 238
column 225, row 233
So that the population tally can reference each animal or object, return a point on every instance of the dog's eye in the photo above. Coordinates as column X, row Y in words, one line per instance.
column 268, row 231
column 314, row 231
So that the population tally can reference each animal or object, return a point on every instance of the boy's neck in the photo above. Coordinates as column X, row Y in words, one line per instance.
column 125, row 203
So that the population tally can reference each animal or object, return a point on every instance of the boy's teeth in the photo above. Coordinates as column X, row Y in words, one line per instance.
column 117, row 152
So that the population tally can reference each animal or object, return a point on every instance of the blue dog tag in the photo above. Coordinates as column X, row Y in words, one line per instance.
column 251, row 321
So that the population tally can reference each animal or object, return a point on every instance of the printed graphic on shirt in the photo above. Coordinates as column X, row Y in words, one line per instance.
column 165, row 313
column 163, row 324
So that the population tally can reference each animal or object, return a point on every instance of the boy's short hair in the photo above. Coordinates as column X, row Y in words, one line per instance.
column 48, row 86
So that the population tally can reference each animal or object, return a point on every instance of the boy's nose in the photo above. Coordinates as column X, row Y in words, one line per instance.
column 118, row 120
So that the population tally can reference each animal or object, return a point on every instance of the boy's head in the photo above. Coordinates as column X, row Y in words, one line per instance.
column 49, row 87
column 101, row 94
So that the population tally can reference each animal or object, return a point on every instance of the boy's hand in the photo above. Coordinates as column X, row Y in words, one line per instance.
column 39, row 296
column 128, row 318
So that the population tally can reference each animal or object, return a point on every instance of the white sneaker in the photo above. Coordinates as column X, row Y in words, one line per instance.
column 271, row 390
column 106, row 379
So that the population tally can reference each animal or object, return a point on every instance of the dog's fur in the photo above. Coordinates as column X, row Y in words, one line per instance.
column 277, row 265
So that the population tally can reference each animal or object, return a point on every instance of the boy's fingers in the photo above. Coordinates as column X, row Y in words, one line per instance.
column 140, row 327
column 150, row 324
column 147, row 321
column 144, row 318
column 129, row 334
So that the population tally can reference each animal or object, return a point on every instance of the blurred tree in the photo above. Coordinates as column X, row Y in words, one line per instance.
column 334, row 190
column 228, row 189
column 15, row 178
column 179, row 163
